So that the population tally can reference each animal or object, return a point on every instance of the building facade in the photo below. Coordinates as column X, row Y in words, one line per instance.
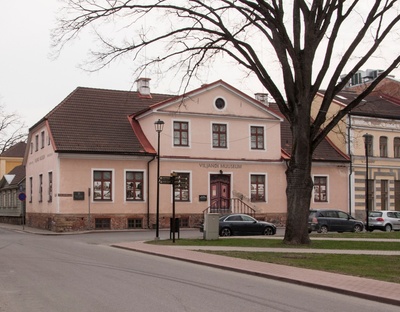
column 12, row 196
column 370, row 135
column 93, row 160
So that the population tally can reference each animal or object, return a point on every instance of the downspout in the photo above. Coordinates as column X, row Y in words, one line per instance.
column 351, row 161
column 148, row 191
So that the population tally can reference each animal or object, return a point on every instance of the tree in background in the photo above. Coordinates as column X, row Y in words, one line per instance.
column 12, row 129
column 313, row 43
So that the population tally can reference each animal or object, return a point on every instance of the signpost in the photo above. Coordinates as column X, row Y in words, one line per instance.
column 175, row 181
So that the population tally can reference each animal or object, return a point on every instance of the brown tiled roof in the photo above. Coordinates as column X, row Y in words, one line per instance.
column 376, row 104
column 96, row 121
column 17, row 150
column 389, row 86
column 325, row 151
column 19, row 172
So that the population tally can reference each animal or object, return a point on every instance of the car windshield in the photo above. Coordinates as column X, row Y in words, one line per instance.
column 375, row 214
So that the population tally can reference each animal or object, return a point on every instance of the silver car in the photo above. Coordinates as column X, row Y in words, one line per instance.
column 384, row 220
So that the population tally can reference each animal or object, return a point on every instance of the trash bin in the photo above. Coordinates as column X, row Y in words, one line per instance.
column 174, row 228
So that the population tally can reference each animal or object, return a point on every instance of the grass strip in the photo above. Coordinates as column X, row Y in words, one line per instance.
column 384, row 268
column 277, row 243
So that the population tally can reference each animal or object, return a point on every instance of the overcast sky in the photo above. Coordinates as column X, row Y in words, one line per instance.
column 32, row 84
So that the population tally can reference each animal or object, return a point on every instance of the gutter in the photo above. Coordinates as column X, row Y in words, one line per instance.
column 351, row 161
column 148, row 191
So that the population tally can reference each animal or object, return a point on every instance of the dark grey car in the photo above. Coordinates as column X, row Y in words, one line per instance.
column 242, row 224
column 324, row 221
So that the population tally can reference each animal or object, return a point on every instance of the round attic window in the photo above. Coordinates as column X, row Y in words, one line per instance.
column 220, row 103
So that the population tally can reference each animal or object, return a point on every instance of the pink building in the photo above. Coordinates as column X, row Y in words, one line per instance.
column 92, row 161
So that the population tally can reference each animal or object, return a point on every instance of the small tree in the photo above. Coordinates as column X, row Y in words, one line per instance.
column 314, row 42
column 12, row 129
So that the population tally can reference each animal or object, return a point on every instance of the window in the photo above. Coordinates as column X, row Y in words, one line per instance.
column 31, row 147
column 219, row 136
column 42, row 139
column 369, row 143
column 396, row 147
column 182, row 187
column 30, row 189
column 320, row 189
column 383, row 146
column 36, row 142
column 40, row 188
column 102, row 223
column 135, row 223
column 257, row 188
column 384, row 194
column 134, row 185
column 50, row 190
column 102, row 185
column 220, row 103
column 257, row 137
column 371, row 194
column 181, row 133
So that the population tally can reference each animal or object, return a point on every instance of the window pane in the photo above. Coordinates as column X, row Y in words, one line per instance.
column 181, row 133
column 219, row 135
column 102, row 187
column 320, row 189
column 257, row 188
column 134, row 186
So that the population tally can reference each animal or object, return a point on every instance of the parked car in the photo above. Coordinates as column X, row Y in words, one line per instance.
column 384, row 220
column 324, row 221
column 242, row 224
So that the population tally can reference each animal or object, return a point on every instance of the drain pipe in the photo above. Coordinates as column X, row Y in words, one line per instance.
column 148, row 191
column 349, row 139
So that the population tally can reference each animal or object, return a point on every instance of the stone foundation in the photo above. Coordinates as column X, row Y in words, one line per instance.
column 73, row 223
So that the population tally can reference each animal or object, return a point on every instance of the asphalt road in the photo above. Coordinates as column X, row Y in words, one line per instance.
column 83, row 273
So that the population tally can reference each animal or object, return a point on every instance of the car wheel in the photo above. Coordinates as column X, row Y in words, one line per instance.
column 388, row 228
column 357, row 228
column 323, row 229
column 226, row 232
column 268, row 231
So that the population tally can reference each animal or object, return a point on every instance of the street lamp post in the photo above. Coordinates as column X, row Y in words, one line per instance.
column 367, row 139
column 159, row 125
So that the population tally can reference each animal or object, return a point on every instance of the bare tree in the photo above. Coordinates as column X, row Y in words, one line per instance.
column 12, row 129
column 314, row 42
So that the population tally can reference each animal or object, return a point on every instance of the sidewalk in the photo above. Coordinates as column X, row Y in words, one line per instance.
column 384, row 292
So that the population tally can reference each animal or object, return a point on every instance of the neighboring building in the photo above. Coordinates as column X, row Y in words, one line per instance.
column 378, row 118
column 362, row 79
column 92, row 161
column 12, row 203
column 11, row 158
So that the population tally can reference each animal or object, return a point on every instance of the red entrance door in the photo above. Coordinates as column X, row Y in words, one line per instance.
column 220, row 190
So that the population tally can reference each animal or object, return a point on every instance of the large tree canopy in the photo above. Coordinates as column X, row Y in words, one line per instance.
column 314, row 42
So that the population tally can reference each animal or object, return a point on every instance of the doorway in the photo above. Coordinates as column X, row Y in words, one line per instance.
column 220, row 190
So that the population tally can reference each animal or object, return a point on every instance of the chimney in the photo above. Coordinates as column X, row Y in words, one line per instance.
column 143, row 87
column 262, row 97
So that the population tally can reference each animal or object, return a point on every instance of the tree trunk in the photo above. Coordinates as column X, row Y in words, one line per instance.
column 299, row 183
column 298, row 193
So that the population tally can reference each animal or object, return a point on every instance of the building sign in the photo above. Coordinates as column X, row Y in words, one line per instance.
column 202, row 197
column 79, row 195
column 220, row 166
column 64, row 195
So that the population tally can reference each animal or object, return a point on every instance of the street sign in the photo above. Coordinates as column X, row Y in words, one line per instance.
column 181, row 182
column 21, row 196
column 165, row 180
